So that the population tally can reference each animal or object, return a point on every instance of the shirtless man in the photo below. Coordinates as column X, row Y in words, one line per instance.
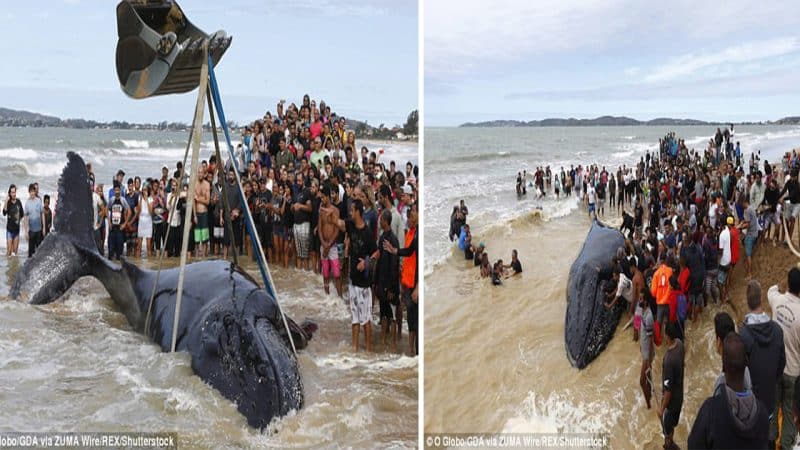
column 202, row 197
column 638, row 288
column 329, row 228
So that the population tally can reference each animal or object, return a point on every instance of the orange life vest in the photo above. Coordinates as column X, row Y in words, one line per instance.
column 409, row 274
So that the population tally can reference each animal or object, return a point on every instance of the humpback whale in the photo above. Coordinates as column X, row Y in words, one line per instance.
column 589, row 326
column 229, row 324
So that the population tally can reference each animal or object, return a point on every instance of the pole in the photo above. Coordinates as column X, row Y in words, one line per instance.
column 262, row 259
column 171, row 208
column 197, row 136
column 228, row 221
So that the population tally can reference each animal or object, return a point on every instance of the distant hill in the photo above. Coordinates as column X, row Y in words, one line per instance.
column 10, row 117
column 18, row 118
column 610, row 121
column 793, row 120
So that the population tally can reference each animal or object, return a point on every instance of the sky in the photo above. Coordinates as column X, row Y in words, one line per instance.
column 723, row 61
column 58, row 58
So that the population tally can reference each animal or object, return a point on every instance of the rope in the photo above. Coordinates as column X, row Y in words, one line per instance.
column 196, row 137
column 170, row 216
column 220, row 170
column 789, row 238
column 262, row 259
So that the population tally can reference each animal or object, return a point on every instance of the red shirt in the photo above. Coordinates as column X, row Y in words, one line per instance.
column 673, row 305
column 315, row 129
column 734, row 245
column 683, row 280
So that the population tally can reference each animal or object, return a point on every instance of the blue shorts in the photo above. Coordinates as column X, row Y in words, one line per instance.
column 10, row 235
column 591, row 208
column 749, row 242
column 722, row 275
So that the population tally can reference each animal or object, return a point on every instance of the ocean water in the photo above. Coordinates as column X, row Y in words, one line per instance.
column 495, row 359
column 76, row 364
column 480, row 165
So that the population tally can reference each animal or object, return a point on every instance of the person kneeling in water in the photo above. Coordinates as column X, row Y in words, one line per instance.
column 497, row 273
column 515, row 265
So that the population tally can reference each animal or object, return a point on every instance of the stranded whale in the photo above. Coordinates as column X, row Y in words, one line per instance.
column 230, row 326
column 589, row 326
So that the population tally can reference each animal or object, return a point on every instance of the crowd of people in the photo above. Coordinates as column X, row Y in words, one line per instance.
column 689, row 217
column 460, row 231
column 35, row 217
column 318, row 205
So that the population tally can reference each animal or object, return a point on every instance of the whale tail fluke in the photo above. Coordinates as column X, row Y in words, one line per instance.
column 62, row 257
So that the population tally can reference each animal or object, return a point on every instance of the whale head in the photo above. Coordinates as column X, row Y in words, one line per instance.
column 248, row 359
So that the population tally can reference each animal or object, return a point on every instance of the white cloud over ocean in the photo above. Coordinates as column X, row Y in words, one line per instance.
column 609, row 57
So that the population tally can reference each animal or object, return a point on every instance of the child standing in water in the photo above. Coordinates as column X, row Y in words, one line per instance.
column 48, row 215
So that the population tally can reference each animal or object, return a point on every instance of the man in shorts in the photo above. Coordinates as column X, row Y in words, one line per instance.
column 659, row 288
column 601, row 198
column 362, row 245
column 131, row 226
column 302, row 208
column 792, row 210
column 725, row 258
column 387, row 286
column 591, row 198
column 750, row 222
column 202, row 198
column 329, row 227
column 646, row 347
column 669, row 411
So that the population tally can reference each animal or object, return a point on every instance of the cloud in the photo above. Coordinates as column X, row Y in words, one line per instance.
column 469, row 37
column 328, row 8
column 778, row 82
column 460, row 37
column 690, row 64
column 632, row 71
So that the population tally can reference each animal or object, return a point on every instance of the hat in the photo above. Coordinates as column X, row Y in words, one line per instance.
column 407, row 189
column 730, row 220
column 481, row 245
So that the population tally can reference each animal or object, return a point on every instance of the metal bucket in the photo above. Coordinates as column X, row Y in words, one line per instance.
column 159, row 51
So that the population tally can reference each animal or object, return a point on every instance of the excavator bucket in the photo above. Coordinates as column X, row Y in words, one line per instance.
column 159, row 51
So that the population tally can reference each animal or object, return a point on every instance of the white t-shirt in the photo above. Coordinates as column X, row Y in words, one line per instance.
column 591, row 194
column 176, row 215
column 625, row 288
column 712, row 214
column 786, row 311
column 725, row 245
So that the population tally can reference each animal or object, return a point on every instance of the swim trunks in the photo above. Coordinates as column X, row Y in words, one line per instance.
column 360, row 305
column 201, row 229
column 330, row 263
column 302, row 236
